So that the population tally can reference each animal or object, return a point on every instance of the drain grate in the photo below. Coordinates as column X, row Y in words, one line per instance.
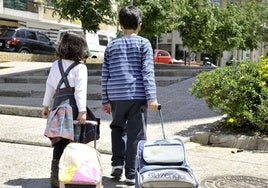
column 235, row 182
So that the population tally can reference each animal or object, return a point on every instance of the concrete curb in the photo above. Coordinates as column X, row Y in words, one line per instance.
column 205, row 138
column 21, row 110
column 231, row 141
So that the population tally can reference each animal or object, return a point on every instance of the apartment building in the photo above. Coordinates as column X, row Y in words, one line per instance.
column 36, row 14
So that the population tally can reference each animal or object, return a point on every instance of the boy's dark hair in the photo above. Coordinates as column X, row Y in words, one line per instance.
column 72, row 46
column 130, row 17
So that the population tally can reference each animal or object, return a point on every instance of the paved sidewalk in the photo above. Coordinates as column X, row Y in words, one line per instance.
column 16, row 66
column 26, row 153
column 26, row 156
column 28, row 166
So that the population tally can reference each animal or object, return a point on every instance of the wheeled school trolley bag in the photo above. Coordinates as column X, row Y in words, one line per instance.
column 80, row 166
column 162, row 163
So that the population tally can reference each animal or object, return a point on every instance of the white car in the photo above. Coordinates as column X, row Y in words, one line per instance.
column 97, row 42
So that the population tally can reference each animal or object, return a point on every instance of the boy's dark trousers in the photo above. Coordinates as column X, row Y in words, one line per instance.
column 127, row 131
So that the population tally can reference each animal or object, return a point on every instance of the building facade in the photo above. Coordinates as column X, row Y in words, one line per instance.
column 36, row 14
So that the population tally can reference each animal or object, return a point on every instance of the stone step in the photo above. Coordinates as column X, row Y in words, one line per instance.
column 27, row 88
column 160, row 81
column 38, row 90
column 37, row 102
column 40, row 79
column 94, row 72
column 160, row 72
column 165, row 74
column 32, row 107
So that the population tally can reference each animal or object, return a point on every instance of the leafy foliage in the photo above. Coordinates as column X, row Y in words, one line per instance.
column 263, row 15
column 251, row 25
column 203, row 26
column 228, row 34
column 90, row 13
column 211, row 29
column 239, row 91
column 198, row 25
column 159, row 16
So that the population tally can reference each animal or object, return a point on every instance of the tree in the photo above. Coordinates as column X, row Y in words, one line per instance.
column 212, row 29
column 198, row 25
column 158, row 16
column 228, row 33
column 203, row 26
column 262, row 11
column 251, row 26
column 91, row 13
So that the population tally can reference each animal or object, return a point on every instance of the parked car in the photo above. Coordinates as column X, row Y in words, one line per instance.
column 23, row 40
column 162, row 56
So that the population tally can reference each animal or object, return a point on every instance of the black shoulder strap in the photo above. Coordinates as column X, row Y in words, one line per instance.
column 65, row 74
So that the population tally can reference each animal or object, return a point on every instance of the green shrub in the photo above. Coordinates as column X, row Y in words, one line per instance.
column 239, row 91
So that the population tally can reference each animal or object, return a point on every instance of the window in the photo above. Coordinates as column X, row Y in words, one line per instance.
column 6, row 32
column 103, row 40
column 31, row 35
column 20, row 33
column 162, row 53
column 41, row 37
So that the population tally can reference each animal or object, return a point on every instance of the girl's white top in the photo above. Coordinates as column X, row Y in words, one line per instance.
column 77, row 78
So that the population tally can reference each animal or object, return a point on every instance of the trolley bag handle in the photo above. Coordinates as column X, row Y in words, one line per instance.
column 143, row 108
column 94, row 123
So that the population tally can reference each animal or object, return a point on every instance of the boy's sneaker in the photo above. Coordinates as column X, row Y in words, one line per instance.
column 117, row 171
column 130, row 182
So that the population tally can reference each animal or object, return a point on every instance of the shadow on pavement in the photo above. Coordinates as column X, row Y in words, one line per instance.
column 109, row 182
column 29, row 182
column 193, row 129
column 44, row 183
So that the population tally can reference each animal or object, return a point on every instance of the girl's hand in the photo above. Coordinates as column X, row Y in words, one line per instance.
column 45, row 112
column 82, row 117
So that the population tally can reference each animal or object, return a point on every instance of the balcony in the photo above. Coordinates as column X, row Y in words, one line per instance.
column 23, row 5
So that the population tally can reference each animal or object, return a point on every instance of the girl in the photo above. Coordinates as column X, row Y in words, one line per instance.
column 71, row 49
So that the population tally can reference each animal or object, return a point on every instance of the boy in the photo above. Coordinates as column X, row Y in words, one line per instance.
column 128, row 83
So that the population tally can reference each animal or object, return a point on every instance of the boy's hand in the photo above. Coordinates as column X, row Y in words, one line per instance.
column 107, row 108
column 153, row 105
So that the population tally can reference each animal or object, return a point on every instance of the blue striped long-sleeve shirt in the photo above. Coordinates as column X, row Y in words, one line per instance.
column 128, row 70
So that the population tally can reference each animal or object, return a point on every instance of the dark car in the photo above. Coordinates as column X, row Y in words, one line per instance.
column 24, row 40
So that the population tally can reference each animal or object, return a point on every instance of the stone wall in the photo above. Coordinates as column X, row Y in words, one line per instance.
column 6, row 56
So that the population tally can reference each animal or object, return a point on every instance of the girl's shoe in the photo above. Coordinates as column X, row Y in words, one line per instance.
column 54, row 178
